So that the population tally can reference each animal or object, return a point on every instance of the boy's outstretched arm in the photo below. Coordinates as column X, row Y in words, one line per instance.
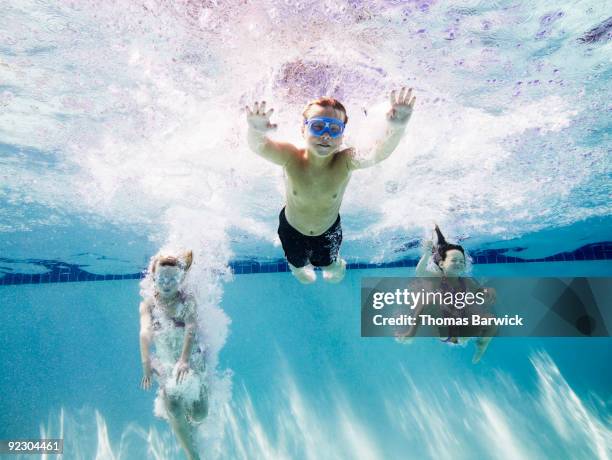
column 399, row 114
column 259, row 124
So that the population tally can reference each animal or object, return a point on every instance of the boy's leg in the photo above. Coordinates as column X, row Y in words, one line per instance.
column 296, row 251
column 334, row 273
column 325, row 253
column 305, row 275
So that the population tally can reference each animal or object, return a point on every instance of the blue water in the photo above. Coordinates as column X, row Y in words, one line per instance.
column 122, row 131
column 305, row 383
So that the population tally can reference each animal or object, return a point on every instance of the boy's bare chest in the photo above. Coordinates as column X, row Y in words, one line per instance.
column 305, row 182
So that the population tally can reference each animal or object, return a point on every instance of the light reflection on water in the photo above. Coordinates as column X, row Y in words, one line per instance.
column 492, row 418
column 138, row 104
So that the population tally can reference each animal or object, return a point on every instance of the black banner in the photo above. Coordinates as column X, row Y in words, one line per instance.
column 504, row 307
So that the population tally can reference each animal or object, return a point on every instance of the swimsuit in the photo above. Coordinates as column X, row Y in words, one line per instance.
column 459, row 334
column 449, row 311
column 168, row 338
column 321, row 250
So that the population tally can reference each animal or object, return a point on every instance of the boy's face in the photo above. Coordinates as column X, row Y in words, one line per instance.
column 324, row 144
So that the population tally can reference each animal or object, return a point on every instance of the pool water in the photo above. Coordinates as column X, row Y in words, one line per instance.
column 305, row 384
column 123, row 131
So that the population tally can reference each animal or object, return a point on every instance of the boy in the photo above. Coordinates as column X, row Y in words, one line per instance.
column 316, row 177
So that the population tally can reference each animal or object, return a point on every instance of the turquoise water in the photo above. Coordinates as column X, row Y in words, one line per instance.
column 305, row 384
column 122, row 131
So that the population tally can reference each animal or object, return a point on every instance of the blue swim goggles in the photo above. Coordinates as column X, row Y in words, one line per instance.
column 321, row 125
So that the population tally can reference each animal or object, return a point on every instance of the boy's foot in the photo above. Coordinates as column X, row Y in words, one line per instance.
column 305, row 275
column 334, row 273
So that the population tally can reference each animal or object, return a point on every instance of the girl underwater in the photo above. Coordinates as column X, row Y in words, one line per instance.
column 447, row 275
column 168, row 320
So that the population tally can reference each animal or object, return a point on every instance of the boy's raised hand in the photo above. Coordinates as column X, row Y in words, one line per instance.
column 402, row 104
column 258, row 119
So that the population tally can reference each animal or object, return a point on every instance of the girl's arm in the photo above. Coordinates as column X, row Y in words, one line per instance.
column 412, row 330
column 190, row 329
column 421, row 268
column 145, row 340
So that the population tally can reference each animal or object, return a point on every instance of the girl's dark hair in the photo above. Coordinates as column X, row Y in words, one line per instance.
column 442, row 247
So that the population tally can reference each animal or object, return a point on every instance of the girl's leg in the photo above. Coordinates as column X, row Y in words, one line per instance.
column 482, row 342
column 199, row 410
column 180, row 426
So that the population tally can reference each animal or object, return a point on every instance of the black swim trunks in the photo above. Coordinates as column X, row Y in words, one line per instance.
column 321, row 250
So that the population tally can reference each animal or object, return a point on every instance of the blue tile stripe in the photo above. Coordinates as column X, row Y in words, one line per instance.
column 60, row 272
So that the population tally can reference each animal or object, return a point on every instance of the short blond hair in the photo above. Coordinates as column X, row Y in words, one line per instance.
column 326, row 102
column 182, row 261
